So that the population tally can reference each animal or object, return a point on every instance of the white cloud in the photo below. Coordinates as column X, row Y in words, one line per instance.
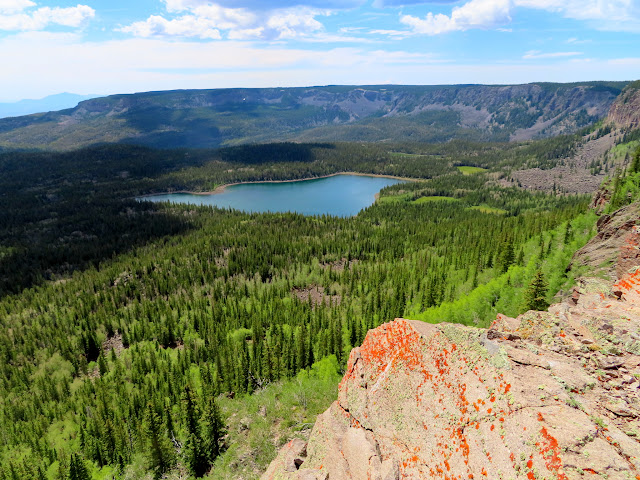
column 226, row 18
column 246, row 33
column 185, row 26
column 535, row 54
column 292, row 24
column 615, row 15
column 211, row 21
column 201, row 21
column 390, row 33
column 578, row 41
column 41, row 18
column 182, row 5
column 14, row 6
column 404, row 3
column 474, row 14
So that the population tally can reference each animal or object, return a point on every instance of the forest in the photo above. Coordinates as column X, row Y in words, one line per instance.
column 136, row 338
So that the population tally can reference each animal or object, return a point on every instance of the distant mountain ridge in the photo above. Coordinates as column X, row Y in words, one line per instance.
column 47, row 104
column 210, row 118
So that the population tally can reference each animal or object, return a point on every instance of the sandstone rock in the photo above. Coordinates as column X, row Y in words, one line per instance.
column 285, row 465
column 525, row 357
column 619, row 408
column 607, row 363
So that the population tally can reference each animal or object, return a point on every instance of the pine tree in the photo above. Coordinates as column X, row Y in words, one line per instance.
column 194, row 450
column 635, row 165
column 212, row 429
column 535, row 295
column 161, row 455
column 78, row 469
column 568, row 233
column 102, row 365
column 507, row 257
column 353, row 337
column 301, row 357
column 41, row 475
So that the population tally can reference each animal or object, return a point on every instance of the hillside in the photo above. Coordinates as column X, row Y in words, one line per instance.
column 123, row 324
column 209, row 118
column 625, row 111
column 549, row 394
column 147, row 340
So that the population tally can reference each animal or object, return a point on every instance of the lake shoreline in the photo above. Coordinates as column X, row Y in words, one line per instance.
column 222, row 188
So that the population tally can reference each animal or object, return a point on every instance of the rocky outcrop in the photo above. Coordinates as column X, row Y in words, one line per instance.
column 614, row 249
column 547, row 395
column 625, row 111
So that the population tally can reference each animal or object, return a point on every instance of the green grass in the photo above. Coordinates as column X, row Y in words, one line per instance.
column 466, row 170
column 487, row 209
column 404, row 197
column 435, row 198
column 259, row 424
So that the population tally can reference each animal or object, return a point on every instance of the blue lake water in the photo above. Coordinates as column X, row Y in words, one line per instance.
column 340, row 195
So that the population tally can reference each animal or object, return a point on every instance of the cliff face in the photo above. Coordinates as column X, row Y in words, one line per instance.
column 625, row 111
column 209, row 118
column 551, row 395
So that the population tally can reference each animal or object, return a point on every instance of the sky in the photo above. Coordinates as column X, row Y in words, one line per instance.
column 125, row 46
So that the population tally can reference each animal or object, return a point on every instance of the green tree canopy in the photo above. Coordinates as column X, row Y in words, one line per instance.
column 535, row 295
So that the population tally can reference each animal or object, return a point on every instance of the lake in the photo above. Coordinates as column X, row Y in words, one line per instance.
column 339, row 195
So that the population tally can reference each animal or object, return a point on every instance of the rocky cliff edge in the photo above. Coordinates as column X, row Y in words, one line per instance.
column 625, row 111
column 547, row 395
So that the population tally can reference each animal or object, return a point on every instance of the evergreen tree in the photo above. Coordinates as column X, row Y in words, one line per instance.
column 353, row 336
column 635, row 165
column 212, row 429
column 506, row 258
column 301, row 357
column 161, row 455
column 568, row 233
column 194, row 448
column 78, row 469
column 535, row 295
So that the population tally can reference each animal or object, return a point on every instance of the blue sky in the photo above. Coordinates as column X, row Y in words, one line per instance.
column 122, row 46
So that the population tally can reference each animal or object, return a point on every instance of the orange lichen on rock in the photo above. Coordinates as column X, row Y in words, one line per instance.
column 551, row 453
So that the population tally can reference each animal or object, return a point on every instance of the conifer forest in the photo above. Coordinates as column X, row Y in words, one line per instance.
column 157, row 340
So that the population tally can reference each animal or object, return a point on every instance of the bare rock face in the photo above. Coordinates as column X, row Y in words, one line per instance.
column 614, row 250
column 547, row 395
column 625, row 111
